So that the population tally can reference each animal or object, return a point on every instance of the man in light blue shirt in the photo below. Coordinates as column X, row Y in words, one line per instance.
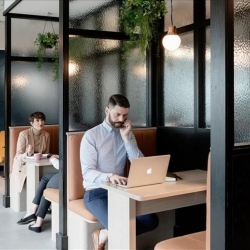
column 103, row 154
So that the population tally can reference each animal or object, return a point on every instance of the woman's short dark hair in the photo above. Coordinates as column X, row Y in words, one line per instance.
column 37, row 115
column 119, row 100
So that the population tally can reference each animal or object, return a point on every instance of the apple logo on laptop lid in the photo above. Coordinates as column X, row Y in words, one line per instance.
column 149, row 171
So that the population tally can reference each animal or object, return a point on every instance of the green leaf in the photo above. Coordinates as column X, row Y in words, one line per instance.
column 142, row 16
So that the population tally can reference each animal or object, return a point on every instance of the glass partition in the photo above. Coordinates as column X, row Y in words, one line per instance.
column 94, row 15
column 23, row 45
column 241, row 72
column 96, row 73
column 181, row 6
column 33, row 90
column 179, row 84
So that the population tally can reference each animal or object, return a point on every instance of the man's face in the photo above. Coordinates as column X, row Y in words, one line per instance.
column 116, row 116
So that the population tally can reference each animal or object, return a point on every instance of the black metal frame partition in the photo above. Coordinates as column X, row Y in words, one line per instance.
column 62, row 237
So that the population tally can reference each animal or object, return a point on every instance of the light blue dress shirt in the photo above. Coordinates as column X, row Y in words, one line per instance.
column 103, row 152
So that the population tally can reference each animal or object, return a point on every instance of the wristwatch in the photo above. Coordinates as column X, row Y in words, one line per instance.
column 108, row 177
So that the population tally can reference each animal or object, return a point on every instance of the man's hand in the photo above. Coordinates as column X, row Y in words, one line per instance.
column 116, row 179
column 125, row 129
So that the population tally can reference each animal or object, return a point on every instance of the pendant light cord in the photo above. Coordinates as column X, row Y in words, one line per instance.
column 171, row 12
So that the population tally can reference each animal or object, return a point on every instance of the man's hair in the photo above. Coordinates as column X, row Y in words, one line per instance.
column 118, row 100
column 37, row 115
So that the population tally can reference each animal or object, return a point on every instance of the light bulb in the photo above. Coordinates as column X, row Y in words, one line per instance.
column 171, row 41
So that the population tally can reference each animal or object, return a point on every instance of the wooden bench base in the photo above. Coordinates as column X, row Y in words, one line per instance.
column 80, row 231
column 17, row 200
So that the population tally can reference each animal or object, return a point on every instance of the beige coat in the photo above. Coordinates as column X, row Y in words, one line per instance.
column 25, row 138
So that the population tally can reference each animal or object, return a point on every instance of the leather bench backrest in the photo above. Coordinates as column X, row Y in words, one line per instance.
column 75, row 180
column 53, row 130
column 146, row 140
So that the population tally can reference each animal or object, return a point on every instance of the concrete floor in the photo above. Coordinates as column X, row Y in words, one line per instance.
column 14, row 236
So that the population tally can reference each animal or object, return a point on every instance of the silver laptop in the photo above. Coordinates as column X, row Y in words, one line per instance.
column 147, row 171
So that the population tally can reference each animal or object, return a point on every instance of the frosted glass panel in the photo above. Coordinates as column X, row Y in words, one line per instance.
column 23, row 45
column 208, row 80
column 208, row 9
column 136, row 89
column 182, row 13
column 33, row 90
column 179, row 84
column 94, row 15
column 241, row 72
column 98, row 74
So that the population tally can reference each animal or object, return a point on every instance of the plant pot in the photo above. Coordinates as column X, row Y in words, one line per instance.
column 48, row 46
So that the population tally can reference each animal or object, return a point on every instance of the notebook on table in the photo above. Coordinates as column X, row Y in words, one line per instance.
column 147, row 171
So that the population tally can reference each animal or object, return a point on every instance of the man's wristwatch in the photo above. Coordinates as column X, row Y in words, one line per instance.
column 108, row 178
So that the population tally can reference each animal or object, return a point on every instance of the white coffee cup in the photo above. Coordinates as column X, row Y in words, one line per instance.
column 37, row 156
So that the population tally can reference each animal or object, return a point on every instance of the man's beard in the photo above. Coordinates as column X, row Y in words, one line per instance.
column 115, row 124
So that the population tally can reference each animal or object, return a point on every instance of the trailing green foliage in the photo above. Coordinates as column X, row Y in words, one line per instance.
column 46, row 41
column 139, row 21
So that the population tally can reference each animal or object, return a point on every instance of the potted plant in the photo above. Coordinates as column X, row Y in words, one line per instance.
column 46, row 41
column 139, row 21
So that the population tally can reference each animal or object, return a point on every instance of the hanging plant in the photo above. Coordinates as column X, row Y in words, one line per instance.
column 46, row 41
column 139, row 20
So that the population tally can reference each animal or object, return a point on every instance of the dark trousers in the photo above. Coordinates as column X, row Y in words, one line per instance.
column 96, row 201
column 49, row 180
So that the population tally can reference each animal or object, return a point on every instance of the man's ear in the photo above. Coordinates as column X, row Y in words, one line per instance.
column 106, row 110
column 31, row 123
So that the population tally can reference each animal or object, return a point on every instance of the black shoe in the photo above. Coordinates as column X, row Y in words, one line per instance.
column 35, row 229
column 27, row 220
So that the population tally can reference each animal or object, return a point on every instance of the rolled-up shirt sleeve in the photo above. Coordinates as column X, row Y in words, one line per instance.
column 132, row 148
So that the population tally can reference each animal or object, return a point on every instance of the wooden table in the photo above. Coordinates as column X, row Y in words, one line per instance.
column 33, row 169
column 125, row 205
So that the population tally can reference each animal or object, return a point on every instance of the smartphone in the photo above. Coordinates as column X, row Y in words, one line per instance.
column 123, row 126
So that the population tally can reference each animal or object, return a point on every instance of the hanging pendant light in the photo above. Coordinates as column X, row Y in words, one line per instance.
column 171, row 41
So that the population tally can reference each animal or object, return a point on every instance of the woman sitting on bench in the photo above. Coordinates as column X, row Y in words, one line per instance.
column 40, row 205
